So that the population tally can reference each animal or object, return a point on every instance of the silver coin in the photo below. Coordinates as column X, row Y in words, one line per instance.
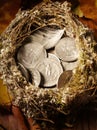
column 53, row 56
column 64, row 78
column 66, row 49
column 69, row 65
column 30, row 54
column 47, row 36
column 50, row 69
column 36, row 78
column 24, row 71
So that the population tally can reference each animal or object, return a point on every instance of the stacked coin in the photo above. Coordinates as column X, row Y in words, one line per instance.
column 47, row 36
column 50, row 70
column 30, row 54
column 45, row 54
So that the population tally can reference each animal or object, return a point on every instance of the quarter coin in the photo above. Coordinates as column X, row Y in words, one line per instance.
column 30, row 54
column 50, row 69
column 66, row 49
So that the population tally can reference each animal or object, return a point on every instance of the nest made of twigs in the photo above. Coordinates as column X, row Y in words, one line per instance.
column 47, row 104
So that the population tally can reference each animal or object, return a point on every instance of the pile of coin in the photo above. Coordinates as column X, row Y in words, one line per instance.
column 46, row 55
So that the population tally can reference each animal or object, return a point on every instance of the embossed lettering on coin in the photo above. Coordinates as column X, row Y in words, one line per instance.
column 66, row 49
column 50, row 69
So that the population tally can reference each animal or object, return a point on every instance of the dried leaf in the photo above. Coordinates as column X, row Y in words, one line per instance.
column 96, row 3
column 89, row 9
column 20, row 119
column 91, row 24
column 78, row 11
column 84, row 2
column 5, row 99
column 8, row 10
column 88, row 12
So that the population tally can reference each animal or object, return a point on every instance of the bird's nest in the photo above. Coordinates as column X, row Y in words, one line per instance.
column 43, row 103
